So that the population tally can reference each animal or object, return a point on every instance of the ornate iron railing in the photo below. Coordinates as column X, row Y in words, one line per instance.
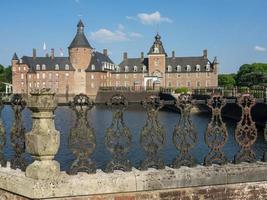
column 118, row 137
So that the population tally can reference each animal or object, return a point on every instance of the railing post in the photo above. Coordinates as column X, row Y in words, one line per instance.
column 42, row 142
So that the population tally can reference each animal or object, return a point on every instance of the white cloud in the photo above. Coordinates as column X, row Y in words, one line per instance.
column 77, row 1
column 104, row 35
column 260, row 48
column 153, row 18
column 135, row 35
column 120, row 27
column 130, row 18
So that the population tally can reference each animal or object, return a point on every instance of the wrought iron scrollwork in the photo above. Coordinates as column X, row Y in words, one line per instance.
column 153, row 134
column 118, row 137
column 18, row 133
column 216, row 134
column 184, row 135
column 246, row 132
column 82, row 140
column 2, row 137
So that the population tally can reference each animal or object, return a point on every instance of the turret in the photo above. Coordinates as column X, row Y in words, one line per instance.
column 15, row 59
column 80, row 50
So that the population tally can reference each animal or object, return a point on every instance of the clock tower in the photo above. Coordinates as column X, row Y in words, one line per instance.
column 157, row 61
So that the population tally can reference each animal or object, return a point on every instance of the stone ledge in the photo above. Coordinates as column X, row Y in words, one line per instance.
column 135, row 181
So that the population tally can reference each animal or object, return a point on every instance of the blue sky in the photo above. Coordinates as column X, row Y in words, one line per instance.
column 233, row 30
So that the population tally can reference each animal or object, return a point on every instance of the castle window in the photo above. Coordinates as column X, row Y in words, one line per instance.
column 178, row 68
column 126, row 76
column 208, row 66
column 43, row 67
column 188, row 84
column 135, row 68
column 188, row 68
column 19, row 68
column 67, row 75
column 56, row 67
column 24, row 68
column 38, row 84
column 92, row 67
column 30, row 76
column 67, row 67
column 50, row 76
column 22, row 76
column 37, row 67
column 134, row 75
column 169, row 68
column 197, row 68
column 43, row 75
column 92, row 76
column 37, row 75
column 43, row 84
column 126, row 69
column 198, row 84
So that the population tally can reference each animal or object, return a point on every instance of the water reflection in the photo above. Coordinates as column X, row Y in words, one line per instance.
column 135, row 116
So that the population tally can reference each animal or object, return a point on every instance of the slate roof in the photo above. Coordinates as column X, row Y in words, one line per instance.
column 80, row 39
column 157, row 44
column 131, row 62
column 15, row 57
column 184, row 61
column 97, row 60
column 48, row 62
column 173, row 62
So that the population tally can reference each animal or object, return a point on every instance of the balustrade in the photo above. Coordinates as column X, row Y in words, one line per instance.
column 42, row 142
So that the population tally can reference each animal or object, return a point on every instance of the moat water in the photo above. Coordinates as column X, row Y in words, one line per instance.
column 100, row 118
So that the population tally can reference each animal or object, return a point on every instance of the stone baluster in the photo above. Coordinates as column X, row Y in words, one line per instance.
column 42, row 142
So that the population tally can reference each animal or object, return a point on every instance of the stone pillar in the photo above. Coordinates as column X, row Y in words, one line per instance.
column 43, row 141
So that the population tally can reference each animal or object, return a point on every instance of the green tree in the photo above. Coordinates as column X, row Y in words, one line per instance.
column 252, row 75
column 226, row 80
column 5, row 76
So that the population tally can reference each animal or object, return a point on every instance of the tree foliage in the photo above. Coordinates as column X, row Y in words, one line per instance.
column 226, row 80
column 252, row 75
column 5, row 76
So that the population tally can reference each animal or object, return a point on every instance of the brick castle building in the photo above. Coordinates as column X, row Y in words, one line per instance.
column 86, row 70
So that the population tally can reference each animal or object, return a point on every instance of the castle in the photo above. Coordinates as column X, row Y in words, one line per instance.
column 86, row 70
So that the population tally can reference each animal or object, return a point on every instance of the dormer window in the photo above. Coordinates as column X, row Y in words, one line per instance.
column 43, row 67
column 67, row 67
column 56, row 67
column 197, row 68
column 37, row 67
column 126, row 69
column 118, row 68
column 188, row 68
column 93, row 67
column 144, row 68
column 208, row 66
column 178, row 68
column 135, row 68
column 169, row 68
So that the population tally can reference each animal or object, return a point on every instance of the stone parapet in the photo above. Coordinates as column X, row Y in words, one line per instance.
column 102, row 183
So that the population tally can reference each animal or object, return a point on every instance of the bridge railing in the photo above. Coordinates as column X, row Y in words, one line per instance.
column 42, row 142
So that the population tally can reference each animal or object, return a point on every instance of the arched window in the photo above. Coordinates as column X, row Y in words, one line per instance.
column 135, row 68
column 197, row 68
column 93, row 67
column 126, row 68
column 169, row 68
column 43, row 67
column 56, row 67
column 37, row 67
column 188, row 68
column 67, row 67
column 178, row 68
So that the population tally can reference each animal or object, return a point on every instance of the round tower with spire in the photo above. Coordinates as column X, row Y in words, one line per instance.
column 80, row 50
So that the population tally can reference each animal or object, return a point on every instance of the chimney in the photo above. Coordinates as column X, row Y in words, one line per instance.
column 33, row 53
column 173, row 54
column 205, row 53
column 125, row 56
column 142, row 55
column 52, row 54
column 105, row 52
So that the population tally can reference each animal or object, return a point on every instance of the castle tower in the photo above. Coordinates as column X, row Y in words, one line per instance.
column 80, row 53
column 157, row 60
